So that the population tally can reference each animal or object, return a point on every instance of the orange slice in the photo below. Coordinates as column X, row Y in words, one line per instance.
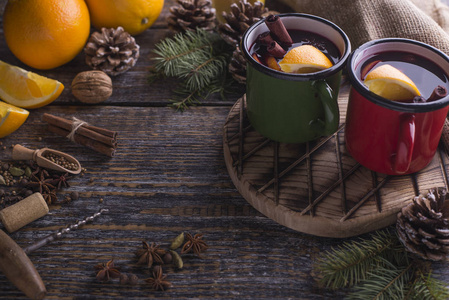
column 27, row 89
column 304, row 59
column 390, row 83
column 12, row 118
column 272, row 63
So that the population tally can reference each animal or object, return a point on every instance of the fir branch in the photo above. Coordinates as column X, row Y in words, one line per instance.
column 206, row 72
column 427, row 288
column 351, row 263
column 388, row 282
column 185, row 99
column 182, row 47
column 198, row 57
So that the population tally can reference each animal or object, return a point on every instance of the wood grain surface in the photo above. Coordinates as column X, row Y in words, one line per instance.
column 168, row 176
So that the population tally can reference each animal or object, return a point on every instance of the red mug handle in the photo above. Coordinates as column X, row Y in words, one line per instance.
column 406, row 143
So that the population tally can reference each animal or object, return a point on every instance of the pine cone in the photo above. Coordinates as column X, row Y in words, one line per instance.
column 239, row 19
column 423, row 226
column 237, row 66
column 112, row 51
column 190, row 15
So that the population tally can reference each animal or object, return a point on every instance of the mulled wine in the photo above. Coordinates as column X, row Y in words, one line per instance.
column 425, row 74
column 259, row 49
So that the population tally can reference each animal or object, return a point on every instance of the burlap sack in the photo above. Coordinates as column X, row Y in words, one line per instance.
column 364, row 20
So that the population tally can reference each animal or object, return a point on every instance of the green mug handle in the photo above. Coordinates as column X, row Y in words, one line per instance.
column 330, row 106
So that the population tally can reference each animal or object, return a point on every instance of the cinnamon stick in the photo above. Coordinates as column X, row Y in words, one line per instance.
column 276, row 50
column 438, row 93
column 278, row 30
column 85, row 141
column 265, row 38
column 82, row 130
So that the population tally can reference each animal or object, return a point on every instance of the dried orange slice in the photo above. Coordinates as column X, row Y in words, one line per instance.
column 390, row 83
column 12, row 118
column 304, row 59
column 27, row 89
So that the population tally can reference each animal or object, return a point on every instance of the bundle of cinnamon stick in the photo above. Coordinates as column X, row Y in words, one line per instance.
column 98, row 139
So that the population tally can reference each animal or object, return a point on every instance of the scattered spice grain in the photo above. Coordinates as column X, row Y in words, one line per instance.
column 133, row 279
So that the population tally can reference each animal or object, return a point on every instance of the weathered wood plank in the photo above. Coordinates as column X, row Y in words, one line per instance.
column 168, row 176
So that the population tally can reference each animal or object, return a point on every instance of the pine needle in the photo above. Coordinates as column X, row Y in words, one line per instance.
column 427, row 288
column 351, row 263
column 388, row 282
column 198, row 58
column 186, row 98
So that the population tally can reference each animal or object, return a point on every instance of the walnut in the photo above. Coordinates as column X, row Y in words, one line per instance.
column 92, row 86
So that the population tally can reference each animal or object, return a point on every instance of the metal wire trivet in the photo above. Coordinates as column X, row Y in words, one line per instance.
column 318, row 181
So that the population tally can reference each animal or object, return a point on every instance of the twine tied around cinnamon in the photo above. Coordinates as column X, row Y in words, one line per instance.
column 98, row 139
column 77, row 123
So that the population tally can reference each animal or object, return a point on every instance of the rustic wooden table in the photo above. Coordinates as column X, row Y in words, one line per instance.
column 168, row 176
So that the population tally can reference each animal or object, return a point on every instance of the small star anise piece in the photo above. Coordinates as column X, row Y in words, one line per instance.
column 50, row 196
column 150, row 254
column 194, row 243
column 107, row 271
column 61, row 180
column 158, row 282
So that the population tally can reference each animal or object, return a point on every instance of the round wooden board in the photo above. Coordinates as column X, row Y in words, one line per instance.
column 318, row 188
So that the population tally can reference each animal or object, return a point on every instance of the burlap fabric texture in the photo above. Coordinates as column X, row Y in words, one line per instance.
column 365, row 20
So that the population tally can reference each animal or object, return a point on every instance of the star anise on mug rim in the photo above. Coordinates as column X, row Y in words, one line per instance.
column 158, row 282
column 194, row 244
column 150, row 254
column 107, row 271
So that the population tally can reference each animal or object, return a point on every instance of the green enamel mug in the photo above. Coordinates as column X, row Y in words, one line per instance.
column 291, row 107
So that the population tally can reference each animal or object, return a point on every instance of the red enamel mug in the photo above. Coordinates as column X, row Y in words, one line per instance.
column 387, row 136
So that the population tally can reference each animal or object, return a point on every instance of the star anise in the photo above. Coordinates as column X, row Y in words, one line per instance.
column 61, row 180
column 107, row 271
column 40, row 180
column 150, row 254
column 37, row 170
column 50, row 196
column 194, row 243
column 158, row 282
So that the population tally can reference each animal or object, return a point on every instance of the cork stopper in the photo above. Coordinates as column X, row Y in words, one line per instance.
column 23, row 212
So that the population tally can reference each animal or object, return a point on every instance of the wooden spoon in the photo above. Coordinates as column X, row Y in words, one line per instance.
column 22, row 153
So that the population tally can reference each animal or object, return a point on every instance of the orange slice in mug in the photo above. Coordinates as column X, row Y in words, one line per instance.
column 304, row 59
column 390, row 83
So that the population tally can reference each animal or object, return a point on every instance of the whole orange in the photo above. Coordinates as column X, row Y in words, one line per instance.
column 133, row 15
column 46, row 34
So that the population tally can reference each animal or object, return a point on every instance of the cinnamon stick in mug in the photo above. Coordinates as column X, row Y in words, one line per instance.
column 278, row 30
column 276, row 50
column 265, row 38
